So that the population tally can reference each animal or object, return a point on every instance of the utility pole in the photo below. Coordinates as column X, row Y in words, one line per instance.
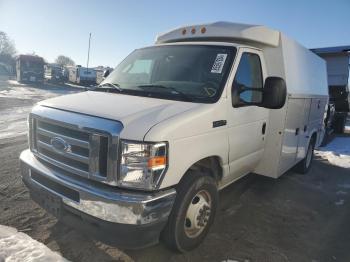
column 88, row 57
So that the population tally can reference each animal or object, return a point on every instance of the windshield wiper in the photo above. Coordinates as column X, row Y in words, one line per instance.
column 169, row 88
column 110, row 85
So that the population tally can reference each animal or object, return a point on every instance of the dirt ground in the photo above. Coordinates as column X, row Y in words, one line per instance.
column 294, row 218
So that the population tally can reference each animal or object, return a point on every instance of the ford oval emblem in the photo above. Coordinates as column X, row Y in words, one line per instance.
column 60, row 145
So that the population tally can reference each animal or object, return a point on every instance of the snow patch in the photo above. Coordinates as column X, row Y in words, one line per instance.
column 337, row 152
column 13, row 89
column 13, row 122
column 16, row 246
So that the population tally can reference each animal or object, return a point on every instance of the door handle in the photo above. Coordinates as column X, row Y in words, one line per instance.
column 263, row 129
column 297, row 131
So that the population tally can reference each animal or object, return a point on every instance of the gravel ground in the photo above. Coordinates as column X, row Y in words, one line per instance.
column 295, row 218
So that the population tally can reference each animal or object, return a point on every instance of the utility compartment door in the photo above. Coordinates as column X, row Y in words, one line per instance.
column 303, row 142
column 292, row 131
column 316, row 118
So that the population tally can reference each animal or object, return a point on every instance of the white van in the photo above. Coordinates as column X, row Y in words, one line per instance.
column 143, row 156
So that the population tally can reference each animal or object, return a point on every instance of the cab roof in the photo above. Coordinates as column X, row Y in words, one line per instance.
column 221, row 31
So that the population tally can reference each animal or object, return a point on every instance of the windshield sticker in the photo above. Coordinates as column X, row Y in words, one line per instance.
column 219, row 63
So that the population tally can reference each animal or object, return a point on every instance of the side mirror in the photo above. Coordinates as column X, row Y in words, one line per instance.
column 274, row 93
column 106, row 73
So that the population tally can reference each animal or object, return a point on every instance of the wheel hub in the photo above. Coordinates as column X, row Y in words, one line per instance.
column 198, row 214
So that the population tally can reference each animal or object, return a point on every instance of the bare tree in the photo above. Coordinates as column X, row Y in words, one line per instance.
column 7, row 49
column 64, row 61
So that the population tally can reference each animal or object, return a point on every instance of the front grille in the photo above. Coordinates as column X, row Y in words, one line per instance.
column 87, row 153
column 82, row 146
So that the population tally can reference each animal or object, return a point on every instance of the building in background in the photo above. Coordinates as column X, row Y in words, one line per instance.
column 337, row 59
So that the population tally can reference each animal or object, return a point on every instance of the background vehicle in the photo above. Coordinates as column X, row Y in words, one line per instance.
column 54, row 73
column 144, row 154
column 102, row 73
column 82, row 75
column 337, row 59
column 30, row 68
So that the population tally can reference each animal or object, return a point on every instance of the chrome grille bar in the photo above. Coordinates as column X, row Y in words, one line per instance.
column 66, row 154
column 70, row 140
column 65, row 167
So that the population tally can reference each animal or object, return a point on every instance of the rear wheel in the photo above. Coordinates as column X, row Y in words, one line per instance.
column 339, row 124
column 304, row 166
column 193, row 212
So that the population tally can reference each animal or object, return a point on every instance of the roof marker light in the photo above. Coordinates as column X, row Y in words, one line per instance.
column 203, row 30
column 184, row 31
column 193, row 31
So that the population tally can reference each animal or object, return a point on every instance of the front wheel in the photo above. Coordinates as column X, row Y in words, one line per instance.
column 193, row 212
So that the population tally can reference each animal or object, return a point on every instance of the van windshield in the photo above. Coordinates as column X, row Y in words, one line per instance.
column 194, row 73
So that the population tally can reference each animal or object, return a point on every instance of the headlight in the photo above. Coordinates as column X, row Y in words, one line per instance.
column 142, row 164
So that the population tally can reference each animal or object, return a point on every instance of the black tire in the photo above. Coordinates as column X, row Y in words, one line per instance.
column 304, row 165
column 339, row 124
column 174, row 234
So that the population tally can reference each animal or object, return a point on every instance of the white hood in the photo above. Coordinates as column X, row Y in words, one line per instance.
column 137, row 114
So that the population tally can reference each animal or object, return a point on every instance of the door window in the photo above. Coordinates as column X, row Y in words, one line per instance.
column 248, row 80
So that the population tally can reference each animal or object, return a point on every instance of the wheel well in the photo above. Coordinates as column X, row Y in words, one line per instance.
column 314, row 137
column 209, row 165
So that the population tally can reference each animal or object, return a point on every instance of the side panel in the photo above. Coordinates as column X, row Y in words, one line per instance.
column 305, row 72
column 295, row 112
column 316, row 117
column 304, row 125
column 306, row 78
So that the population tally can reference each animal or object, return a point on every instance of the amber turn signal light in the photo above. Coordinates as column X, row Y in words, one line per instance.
column 157, row 161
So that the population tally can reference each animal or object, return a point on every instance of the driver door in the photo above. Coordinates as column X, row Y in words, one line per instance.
column 247, row 124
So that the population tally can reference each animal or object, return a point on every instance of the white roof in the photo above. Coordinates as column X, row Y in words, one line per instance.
column 222, row 31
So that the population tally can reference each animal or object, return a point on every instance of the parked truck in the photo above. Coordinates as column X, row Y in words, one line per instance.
column 54, row 73
column 337, row 59
column 30, row 68
column 143, row 155
column 82, row 75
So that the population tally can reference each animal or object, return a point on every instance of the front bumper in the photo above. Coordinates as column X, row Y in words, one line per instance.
column 121, row 213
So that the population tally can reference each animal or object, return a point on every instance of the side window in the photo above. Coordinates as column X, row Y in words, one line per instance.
column 248, row 77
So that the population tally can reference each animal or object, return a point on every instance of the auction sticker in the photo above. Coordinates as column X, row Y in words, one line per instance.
column 218, row 63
